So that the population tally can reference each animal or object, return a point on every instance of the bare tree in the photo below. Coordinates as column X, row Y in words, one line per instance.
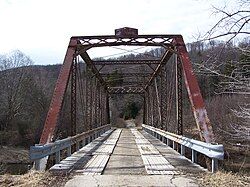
column 14, row 78
column 232, row 27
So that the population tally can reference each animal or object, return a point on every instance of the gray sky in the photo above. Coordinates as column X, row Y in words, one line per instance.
column 42, row 28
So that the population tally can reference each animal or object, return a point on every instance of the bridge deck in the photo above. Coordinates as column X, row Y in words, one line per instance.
column 130, row 153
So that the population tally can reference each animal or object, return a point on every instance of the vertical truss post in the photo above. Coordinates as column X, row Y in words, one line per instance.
column 159, row 124
column 147, row 108
column 144, row 109
column 98, row 104
column 155, row 108
column 102, row 106
column 178, row 92
column 146, row 97
column 164, row 97
column 85, row 126
column 73, row 97
column 88, row 99
column 107, row 108
column 195, row 97
column 93, row 102
column 150, row 102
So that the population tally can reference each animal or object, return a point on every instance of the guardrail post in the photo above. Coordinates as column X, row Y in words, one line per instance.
column 161, row 138
column 194, row 156
column 86, row 140
column 214, row 165
column 164, row 140
column 173, row 145
column 95, row 135
column 69, row 151
column 182, row 150
column 77, row 146
column 58, row 157
column 168, row 142
column 38, row 164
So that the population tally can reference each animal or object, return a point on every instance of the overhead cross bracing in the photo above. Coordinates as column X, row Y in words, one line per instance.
column 125, row 62
column 159, row 79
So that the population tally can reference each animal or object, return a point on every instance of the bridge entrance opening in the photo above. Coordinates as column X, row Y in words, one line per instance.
column 148, row 80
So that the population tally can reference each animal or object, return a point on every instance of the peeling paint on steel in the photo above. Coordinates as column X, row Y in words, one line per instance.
column 58, row 95
column 195, row 97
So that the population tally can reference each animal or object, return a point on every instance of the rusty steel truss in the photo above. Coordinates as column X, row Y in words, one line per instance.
column 152, row 85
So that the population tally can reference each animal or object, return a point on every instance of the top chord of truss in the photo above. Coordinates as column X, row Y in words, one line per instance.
column 125, row 62
column 87, row 42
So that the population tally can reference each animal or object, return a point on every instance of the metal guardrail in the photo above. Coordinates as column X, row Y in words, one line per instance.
column 38, row 152
column 213, row 151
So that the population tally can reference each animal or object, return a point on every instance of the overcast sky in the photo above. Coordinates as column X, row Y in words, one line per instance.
column 42, row 28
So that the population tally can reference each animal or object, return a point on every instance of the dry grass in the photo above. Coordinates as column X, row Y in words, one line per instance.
column 14, row 155
column 224, row 179
column 34, row 179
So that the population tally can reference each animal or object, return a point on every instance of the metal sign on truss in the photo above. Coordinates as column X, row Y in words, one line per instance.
column 97, row 89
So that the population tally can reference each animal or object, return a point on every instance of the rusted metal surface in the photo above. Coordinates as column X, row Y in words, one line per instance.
column 98, row 88
column 125, row 90
column 88, row 98
column 128, row 74
column 125, row 62
column 195, row 97
column 73, row 97
column 107, row 109
column 58, row 95
column 87, row 42
column 164, row 60
column 89, row 62
column 164, row 92
column 126, row 32
column 158, row 104
column 178, row 91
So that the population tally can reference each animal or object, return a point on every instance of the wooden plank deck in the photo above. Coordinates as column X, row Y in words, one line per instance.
column 79, row 157
column 97, row 163
column 155, row 163
column 137, row 153
column 180, row 162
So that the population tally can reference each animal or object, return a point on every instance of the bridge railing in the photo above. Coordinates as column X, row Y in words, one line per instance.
column 39, row 152
column 213, row 151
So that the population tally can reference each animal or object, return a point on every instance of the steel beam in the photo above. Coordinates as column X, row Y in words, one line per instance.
column 95, row 71
column 125, row 62
column 194, row 93
column 158, row 104
column 88, row 42
column 178, row 97
column 131, row 84
column 164, row 60
column 73, row 98
column 164, row 97
column 98, row 104
column 124, row 90
column 58, row 95
column 124, row 75
column 107, row 109
column 94, row 106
